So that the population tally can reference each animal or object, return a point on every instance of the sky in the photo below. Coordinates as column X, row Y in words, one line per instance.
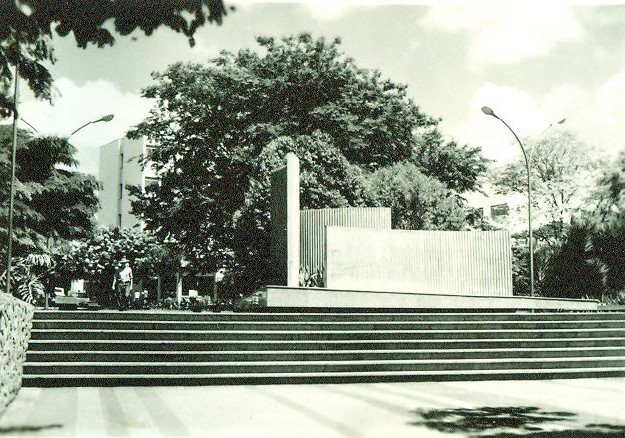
column 532, row 62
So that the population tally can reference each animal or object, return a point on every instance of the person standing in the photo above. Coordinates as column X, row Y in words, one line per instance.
column 123, row 280
column 117, row 286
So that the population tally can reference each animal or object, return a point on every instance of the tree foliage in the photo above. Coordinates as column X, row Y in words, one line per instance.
column 589, row 259
column 28, row 277
column 606, row 203
column 417, row 201
column 563, row 170
column 32, row 23
column 221, row 128
column 577, row 270
column 53, row 202
column 458, row 166
column 95, row 258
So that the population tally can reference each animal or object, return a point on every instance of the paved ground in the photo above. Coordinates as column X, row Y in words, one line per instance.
column 557, row 408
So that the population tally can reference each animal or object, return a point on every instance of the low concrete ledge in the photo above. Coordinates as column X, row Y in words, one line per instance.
column 612, row 308
column 302, row 297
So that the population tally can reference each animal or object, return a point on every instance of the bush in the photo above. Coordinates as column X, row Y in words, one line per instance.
column 27, row 277
column 575, row 270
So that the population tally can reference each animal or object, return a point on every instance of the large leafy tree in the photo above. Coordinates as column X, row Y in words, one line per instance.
column 606, row 203
column 587, row 258
column 417, row 201
column 53, row 202
column 32, row 23
column 605, row 216
column 457, row 166
column 223, row 127
column 563, row 171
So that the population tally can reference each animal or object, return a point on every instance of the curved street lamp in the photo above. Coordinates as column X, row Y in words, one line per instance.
column 489, row 112
column 106, row 118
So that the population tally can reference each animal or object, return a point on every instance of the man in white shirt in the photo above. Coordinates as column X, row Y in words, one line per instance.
column 123, row 280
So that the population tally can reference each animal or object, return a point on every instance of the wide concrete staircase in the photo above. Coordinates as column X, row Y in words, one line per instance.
column 140, row 348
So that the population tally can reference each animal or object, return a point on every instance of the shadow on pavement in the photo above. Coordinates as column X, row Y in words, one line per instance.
column 510, row 422
column 27, row 429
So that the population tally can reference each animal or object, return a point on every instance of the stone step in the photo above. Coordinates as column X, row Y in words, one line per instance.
column 308, row 344
column 316, row 355
column 325, row 335
column 324, row 317
column 168, row 348
column 168, row 325
column 66, row 380
column 149, row 368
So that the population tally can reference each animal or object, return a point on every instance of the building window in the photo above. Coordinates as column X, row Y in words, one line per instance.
column 119, row 220
column 121, row 191
column 149, row 150
column 499, row 210
column 121, row 160
column 151, row 181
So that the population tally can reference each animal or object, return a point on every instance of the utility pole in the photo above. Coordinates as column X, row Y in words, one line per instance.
column 12, row 183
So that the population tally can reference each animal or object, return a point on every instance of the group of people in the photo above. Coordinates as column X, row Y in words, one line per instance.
column 122, row 284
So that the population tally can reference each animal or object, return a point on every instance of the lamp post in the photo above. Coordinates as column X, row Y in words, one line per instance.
column 16, row 117
column 12, row 182
column 489, row 112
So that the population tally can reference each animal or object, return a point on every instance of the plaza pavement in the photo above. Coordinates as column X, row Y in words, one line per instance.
column 556, row 408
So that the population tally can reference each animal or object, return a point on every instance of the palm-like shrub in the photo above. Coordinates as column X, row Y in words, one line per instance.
column 578, row 269
column 27, row 274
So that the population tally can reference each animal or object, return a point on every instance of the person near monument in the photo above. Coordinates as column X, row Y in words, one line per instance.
column 122, row 283
column 115, row 286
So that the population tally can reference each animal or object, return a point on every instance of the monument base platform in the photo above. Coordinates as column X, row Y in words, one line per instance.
column 321, row 298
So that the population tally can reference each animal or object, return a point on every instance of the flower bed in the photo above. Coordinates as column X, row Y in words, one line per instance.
column 15, row 323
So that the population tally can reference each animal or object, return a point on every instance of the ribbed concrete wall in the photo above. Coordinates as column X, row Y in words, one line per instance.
column 439, row 262
column 313, row 223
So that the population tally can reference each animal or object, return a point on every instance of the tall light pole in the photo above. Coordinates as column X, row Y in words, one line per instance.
column 12, row 182
column 489, row 112
column 16, row 118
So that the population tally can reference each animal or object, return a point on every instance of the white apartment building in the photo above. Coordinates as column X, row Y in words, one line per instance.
column 502, row 210
column 120, row 165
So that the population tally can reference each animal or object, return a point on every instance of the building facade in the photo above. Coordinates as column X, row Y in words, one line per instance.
column 503, row 211
column 121, row 166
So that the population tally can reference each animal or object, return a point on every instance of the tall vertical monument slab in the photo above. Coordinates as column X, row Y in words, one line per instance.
column 285, row 223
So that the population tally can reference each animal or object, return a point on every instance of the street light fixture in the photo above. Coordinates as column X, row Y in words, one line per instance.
column 489, row 112
column 559, row 122
column 106, row 118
